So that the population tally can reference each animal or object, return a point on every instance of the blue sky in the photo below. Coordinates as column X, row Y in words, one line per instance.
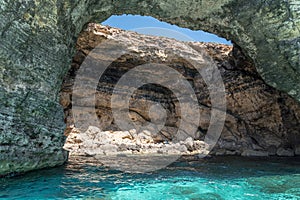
column 152, row 26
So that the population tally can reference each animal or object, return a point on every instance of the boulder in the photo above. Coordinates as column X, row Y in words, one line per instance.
column 285, row 152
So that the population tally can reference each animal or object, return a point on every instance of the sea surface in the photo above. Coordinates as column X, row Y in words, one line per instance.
column 216, row 178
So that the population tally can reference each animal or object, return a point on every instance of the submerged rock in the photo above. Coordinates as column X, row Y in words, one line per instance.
column 252, row 153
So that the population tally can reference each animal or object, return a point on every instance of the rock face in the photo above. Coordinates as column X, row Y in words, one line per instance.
column 38, row 41
column 260, row 120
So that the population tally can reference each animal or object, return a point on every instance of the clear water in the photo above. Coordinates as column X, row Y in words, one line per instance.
column 217, row 178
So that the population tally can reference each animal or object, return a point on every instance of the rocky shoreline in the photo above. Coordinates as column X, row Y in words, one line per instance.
column 96, row 142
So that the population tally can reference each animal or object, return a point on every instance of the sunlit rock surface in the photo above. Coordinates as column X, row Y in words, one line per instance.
column 260, row 120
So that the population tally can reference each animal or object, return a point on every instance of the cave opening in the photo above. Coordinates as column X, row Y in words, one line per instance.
column 255, row 122
column 145, row 98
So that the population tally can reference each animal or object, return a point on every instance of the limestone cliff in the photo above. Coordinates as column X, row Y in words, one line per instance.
column 260, row 120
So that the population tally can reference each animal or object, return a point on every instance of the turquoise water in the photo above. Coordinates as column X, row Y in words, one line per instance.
column 216, row 178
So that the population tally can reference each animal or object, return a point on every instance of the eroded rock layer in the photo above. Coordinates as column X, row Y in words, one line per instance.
column 260, row 120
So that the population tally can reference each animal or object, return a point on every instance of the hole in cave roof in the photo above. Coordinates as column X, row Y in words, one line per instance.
column 151, row 26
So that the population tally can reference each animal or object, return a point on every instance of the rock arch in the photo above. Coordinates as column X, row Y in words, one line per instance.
column 37, row 44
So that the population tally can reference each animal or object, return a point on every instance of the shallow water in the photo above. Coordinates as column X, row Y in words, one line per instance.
column 215, row 178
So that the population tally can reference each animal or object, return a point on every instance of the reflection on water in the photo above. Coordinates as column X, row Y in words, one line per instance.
column 216, row 178
column 138, row 163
